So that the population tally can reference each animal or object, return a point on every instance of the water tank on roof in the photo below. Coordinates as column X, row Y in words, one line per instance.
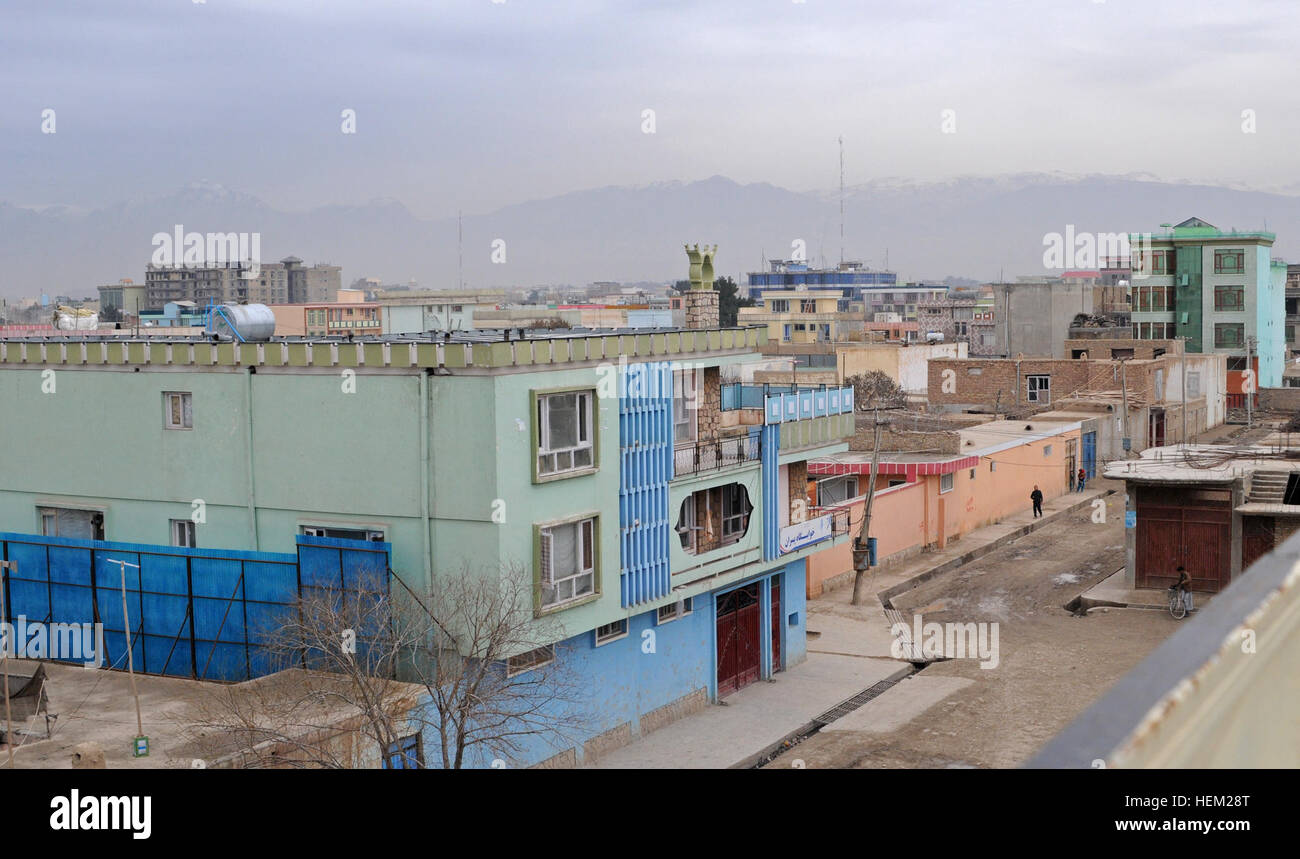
column 247, row 323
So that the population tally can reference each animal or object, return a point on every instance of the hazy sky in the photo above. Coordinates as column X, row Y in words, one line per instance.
column 476, row 104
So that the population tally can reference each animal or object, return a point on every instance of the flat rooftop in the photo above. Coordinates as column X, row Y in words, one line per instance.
column 1203, row 463
column 97, row 705
column 482, row 349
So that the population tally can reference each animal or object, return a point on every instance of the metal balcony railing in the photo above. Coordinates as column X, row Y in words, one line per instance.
column 841, row 518
column 713, row 455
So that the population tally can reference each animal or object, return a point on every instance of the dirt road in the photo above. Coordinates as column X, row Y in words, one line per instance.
column 1051, row 665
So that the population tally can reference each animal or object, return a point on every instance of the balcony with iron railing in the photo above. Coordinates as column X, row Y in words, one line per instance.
column 716, row 454
column 822, row 524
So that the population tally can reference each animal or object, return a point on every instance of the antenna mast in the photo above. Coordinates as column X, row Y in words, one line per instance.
column 841, row 201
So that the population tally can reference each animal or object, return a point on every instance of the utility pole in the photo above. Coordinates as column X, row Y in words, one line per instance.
column 1184, row 374
column 861, row 553
column 1253, row 381
column 1128, row 439
column 130, row 647
column 4, row 657
column 841, row 201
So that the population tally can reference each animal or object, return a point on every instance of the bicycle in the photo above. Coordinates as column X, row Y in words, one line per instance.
column 1177, row 605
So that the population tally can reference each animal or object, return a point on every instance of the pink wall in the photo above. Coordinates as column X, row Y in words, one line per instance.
column 909, row 517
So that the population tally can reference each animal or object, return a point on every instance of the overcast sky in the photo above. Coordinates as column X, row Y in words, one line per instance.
column 475, row 104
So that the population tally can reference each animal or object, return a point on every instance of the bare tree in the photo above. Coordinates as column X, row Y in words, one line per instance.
column 467, row 666
column 876, row 390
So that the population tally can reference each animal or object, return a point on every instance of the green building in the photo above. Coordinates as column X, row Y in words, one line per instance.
column 1220, row 289
column 628, row 476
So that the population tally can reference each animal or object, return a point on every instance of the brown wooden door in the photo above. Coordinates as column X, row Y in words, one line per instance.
column 776, row 624
column 1192, row 528
column 739, row 648
column 1257, row 539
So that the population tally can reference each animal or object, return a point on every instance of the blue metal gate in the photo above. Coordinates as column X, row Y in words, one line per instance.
column 199, row 613
column 1090, row 454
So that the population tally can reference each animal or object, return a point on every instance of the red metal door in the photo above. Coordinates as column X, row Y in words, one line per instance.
column 1189, row 527
column 776, row 624
column 1256, row 538
column 739, row 647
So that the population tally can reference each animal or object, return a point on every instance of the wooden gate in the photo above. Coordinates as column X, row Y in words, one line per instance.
column 1257, row 538
column 1192, row 528
column 739, row 648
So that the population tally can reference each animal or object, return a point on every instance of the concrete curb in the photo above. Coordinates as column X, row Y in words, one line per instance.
column 752, row 760
column 886, row 596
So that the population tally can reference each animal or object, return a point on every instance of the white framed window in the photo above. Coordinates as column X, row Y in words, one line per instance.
column 1193, row 383
column 78, row 524
column 182, row 532
column 568, row 562
column 564, row 433
column 178, row 412
column 945, row 483
column 611, row 631
column 836, row 490
column 672, row 611
column 369, row 535
column 530, row 660
column 686, row 388
column 1040, row 389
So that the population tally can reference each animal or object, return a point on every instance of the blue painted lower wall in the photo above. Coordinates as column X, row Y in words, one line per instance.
column 620, row 683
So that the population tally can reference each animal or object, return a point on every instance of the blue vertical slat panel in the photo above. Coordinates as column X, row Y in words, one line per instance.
column 349, row 570
column 226, row 602
column 220, row 647
column 72, row 597
column 108, row 593
column 1090, row 454
column 29, row 585
column 645, row 425
column 771, row 451
column 270, row 594
column 164, row 602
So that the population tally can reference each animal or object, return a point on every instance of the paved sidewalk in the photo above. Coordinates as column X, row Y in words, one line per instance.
column 755, row 719
column 1114, row 591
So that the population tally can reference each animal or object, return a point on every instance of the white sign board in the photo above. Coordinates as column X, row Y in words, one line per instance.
column 801, row 534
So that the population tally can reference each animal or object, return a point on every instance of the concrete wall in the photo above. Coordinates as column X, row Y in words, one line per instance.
column 907, row 519
column 1281, row 399
column 1034, row 319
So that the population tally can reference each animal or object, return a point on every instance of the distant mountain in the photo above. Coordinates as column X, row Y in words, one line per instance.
column 961, row 228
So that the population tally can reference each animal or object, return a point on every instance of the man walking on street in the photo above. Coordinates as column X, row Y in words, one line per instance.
column 1083, row 477
column 1037, row 497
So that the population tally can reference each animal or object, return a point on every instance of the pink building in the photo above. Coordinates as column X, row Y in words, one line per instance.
column 925, row 500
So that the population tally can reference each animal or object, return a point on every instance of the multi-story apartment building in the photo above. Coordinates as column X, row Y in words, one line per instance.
column 285, row 282
column 1219, row 289
column 1292, row 310
column 333, row 319
column 125, row 297
column 952, row 318
column 1031, row 316
column 637, row 495
column 406, row 312
column 848, row 279
column 804, row 316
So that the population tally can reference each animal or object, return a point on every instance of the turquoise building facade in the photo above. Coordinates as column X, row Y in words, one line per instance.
column 498, row 456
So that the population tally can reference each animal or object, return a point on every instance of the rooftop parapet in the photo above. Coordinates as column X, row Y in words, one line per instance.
column 460, row 350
